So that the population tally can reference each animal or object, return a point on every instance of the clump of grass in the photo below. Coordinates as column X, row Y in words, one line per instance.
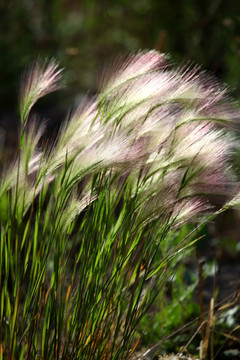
column 146, row 155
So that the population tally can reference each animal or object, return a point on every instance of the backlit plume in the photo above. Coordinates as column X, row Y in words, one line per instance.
column 41, row 79
column 169, row 125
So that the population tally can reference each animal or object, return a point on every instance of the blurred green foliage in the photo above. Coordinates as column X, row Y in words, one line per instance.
column 86, row 34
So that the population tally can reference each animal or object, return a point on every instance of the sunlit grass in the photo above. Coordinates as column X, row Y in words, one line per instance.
column 83, row 222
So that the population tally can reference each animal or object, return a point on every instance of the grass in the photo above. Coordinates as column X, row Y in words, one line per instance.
column 89, row 223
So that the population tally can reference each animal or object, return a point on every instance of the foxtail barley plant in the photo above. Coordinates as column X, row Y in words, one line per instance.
column 83, row 220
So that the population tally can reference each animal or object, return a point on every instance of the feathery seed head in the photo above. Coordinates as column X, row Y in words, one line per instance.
column 148, row 117
column 133, row 67
column 41, row 79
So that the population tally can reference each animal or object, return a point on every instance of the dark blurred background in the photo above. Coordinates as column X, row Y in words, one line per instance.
column 86, row 35
column 83, row 35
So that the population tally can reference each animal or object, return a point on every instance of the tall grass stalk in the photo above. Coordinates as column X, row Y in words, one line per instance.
column 83, row 221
